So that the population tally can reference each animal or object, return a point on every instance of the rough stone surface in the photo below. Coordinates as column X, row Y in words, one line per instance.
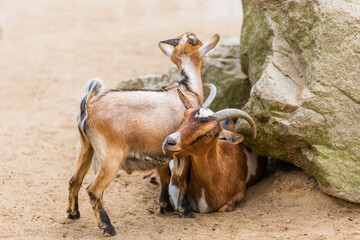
column 221, row 67
column 303, row 60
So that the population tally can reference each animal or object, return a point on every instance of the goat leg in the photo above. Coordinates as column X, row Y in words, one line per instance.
column 106, row 174
column 183, row 181
column 229, row 206
column 82, row 165
column 164, row 201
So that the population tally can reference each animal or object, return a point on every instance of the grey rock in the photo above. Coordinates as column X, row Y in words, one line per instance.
column 303, row 61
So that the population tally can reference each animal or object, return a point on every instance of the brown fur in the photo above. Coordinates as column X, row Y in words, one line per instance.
column 130, row 126
column 189, row 50
column 217, row 166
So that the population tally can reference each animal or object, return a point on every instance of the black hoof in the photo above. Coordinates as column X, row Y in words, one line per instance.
column 109, row 231
column 73, row 215
column 187, row 214
column 166, row 208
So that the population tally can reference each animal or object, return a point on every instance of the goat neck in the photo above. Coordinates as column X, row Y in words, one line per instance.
column 207, row 166
column 191, row 77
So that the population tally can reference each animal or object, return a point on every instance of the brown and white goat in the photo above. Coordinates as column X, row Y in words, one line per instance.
column 125, row 128
column 220, row 167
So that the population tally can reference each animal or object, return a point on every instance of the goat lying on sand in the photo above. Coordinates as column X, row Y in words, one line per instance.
column 221, row 168
column 125, row 128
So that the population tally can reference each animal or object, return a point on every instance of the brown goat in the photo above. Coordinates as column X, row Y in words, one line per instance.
column 220, row 167
column 125, row 128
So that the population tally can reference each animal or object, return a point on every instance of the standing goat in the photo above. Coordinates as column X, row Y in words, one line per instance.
column 125, row 128
column 221, row 167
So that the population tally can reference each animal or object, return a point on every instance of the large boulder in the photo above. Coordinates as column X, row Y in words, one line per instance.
column 221, row 67
column 303, row 60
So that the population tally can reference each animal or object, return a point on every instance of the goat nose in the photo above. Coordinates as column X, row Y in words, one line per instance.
column 171, row 141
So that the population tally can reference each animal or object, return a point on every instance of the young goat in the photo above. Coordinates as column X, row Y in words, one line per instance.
column 125, row 128
column 221, row 168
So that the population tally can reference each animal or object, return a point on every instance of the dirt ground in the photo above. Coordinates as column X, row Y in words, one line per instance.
column 49, row 50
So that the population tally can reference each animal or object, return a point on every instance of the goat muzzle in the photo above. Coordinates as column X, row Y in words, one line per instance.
column 173, row 41
column 171, row 145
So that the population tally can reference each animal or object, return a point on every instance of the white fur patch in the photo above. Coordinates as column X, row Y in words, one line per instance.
column 183, row 39
column 173, row 190
column 203, row 206
column 193, row 74
column 203, row 113
column 251, row 161
column 176, row 136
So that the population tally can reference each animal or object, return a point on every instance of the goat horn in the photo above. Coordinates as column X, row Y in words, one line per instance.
column 204, row 49
column 211, row 96
column 232, row 113
column 173, row 41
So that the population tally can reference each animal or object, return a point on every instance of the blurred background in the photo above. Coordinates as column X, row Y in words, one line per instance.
column 112, row 39
column 49, row 50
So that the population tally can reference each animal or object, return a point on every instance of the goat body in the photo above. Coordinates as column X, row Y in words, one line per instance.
column 125, row 128
column 220, row 168
column 220, row 176
column 135, row 123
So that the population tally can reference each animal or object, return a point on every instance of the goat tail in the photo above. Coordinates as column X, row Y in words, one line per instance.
column 93, row 87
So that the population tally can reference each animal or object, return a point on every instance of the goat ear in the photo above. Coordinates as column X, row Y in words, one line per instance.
column 231, row 137
column 204, row 49
column 167, row 46
column 185, row 100
column 166, row 49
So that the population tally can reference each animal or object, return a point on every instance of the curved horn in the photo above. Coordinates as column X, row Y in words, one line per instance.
column 232, row 113
column 211, row 96
column 204, row 49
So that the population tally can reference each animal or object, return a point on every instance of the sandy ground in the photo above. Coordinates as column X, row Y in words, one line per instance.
column 49, row 49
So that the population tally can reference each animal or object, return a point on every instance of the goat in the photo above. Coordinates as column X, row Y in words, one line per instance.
column 221, row 167
column 126, row 127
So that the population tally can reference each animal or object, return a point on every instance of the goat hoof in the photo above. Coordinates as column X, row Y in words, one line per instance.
column 109, row 231
column 73, row 215
column 166, row 208
column 188, row 214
